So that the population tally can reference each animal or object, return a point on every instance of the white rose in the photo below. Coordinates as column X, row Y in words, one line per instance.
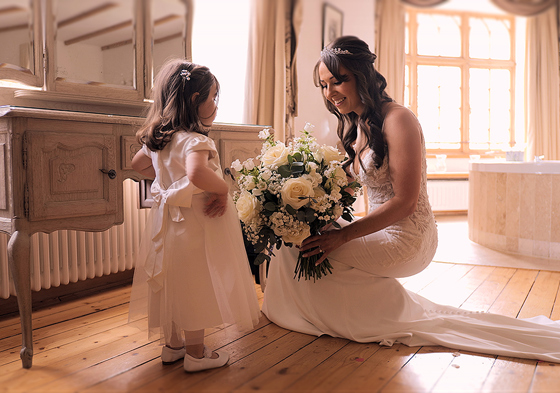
column 276, row 155
column 295, row 188
column 337, row 211
column 247, row 206
column 330, row 153
column 264, row 134
column 308, row 127
column 237, row 165
column 312, row 167
column 319, row 192
column 337, row 178
column 299, row 237
column 249, row 164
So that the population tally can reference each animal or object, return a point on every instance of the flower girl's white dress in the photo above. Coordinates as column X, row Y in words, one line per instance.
column 192, row 271
column 362, row 300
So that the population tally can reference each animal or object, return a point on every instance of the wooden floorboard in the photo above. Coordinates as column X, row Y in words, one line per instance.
column 86, row 345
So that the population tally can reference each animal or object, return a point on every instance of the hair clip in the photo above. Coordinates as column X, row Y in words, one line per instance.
column 336, row 51
column 186, row 75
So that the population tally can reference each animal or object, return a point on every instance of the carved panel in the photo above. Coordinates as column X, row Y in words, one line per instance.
column 231, row 150
column 65, row 175
column 129, row 147
column 3, row 174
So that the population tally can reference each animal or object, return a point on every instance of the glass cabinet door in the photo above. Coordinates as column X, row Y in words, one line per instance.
column 20, row 42
column 94, row 49
column 169, row 34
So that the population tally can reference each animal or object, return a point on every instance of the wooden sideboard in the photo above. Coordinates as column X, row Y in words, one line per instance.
column 64, row 170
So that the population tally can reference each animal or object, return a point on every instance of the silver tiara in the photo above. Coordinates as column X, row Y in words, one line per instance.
column 336, row 51
column 186, row 75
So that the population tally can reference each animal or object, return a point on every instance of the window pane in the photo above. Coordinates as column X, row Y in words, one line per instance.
column 210, row 46
column 439, row 35
column 489, row 39
column 439, row 106
column 489, row 119
column 407, row 102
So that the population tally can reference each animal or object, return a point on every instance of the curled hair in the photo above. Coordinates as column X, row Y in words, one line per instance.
column 354, row 54
column 175, row 105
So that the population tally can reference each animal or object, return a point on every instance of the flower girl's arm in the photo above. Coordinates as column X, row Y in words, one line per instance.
column 142, row 164
column 200, row 174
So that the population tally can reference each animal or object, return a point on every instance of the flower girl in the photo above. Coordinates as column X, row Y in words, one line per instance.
column 192, row 272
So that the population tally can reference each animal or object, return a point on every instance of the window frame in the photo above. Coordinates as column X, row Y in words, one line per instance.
column 465, row 63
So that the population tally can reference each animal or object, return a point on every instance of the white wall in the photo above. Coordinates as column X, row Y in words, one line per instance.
column 359, row 17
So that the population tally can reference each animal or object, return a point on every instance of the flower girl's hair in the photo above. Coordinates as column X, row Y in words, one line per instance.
column 175, row 107
column 354, row 54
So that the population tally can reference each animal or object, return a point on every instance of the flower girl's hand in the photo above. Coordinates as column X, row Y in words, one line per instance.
column 216, row 205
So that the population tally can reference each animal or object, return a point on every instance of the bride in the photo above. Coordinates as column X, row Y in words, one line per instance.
column 362, row 300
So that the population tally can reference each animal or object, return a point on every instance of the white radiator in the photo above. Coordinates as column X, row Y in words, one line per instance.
column 448, row 195
column 68, row 256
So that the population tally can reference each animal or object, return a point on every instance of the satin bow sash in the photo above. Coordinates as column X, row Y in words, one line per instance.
column 166, row 206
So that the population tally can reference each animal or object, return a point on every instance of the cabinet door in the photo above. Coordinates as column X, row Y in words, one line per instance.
column 233, row 149
column 65, row 178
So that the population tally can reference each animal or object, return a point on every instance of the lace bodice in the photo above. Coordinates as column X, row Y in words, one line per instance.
column 377, row 182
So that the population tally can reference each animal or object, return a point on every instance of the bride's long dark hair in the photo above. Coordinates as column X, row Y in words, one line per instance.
column 354, row 54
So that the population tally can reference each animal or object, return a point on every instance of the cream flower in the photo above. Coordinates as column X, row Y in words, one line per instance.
column 293, row 189
column 329, row 154
column 297, row 237
column 249, row 164
column 247, row 206
column 237, row 165
column 276, row 155
column 265, row 133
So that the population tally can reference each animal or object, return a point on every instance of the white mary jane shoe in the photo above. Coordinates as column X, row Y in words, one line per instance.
column 170, row 355
column 206, row 362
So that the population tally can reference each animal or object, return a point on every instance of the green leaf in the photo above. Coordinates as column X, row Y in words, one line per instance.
column 284, row 171
column 297, row 156
column 297, row 165
column 270, row 206
column 300, row 215
column 291, row 210
column 261, row 258
column 336, row 225
column 260, row 247
column 310, row 215
column 290, row 159
column 347, row 216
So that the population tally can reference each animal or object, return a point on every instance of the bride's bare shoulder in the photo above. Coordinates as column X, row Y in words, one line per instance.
column 396, row 115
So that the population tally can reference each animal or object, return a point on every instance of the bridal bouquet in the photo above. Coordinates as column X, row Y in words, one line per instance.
column 290, row 193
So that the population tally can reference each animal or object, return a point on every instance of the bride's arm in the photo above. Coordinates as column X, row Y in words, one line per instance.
column 402, row 134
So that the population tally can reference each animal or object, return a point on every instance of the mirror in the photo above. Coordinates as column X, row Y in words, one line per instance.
column 169, row 23
column 95, row 42
column 16, row 36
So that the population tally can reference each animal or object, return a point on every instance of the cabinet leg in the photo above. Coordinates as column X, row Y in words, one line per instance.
column 18, row 259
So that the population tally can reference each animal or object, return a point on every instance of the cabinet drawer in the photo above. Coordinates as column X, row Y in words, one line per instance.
column 64, row 177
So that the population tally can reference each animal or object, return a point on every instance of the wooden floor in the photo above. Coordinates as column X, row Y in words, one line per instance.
column 86, row 346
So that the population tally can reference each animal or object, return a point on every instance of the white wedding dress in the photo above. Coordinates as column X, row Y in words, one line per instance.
column 363, row 301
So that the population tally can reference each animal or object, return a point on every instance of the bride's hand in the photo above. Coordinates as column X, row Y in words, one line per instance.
column 325, row 243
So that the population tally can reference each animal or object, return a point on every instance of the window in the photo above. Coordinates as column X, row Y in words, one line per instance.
column 461, row 80
column 220, row 42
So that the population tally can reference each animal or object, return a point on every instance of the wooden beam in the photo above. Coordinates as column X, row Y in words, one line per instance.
column 14, row 27
column 96, row 33
column 166, row 19
column 117, row 44
column 86, row 14
column 168, row 37
column 12, row 8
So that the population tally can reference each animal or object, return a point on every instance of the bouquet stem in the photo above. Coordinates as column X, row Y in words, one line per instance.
column 306, row 267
